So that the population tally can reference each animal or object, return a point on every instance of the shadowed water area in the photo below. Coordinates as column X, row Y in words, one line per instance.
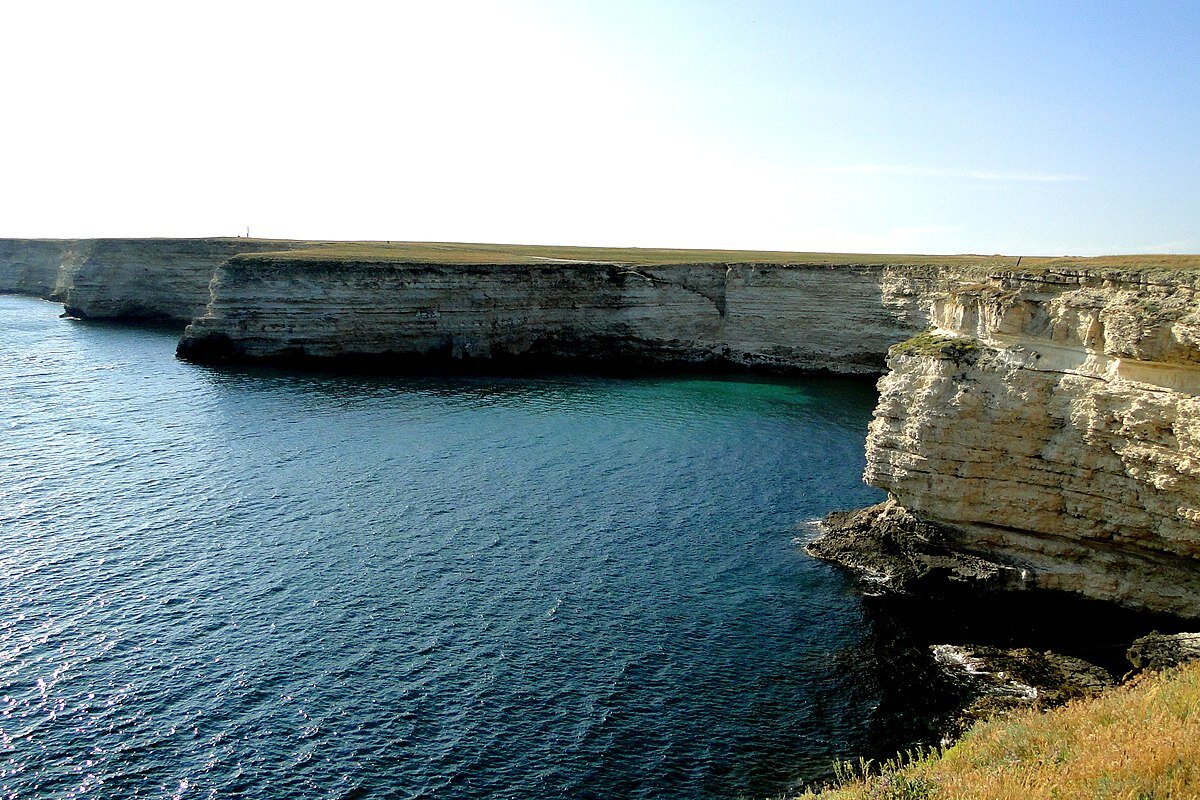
column 264, row 584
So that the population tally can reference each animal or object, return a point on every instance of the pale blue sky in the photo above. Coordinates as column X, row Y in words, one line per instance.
column 917, row 127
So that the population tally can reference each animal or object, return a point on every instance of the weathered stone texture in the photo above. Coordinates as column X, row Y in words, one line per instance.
column 754, row 315
column 1066, row 441
column 32, row 266
column 144, row 279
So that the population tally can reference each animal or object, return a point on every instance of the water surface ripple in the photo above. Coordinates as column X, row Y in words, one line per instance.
column 262, row 584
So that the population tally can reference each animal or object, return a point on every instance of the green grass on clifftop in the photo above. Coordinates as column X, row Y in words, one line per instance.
column 460, row 253
column 470, row 253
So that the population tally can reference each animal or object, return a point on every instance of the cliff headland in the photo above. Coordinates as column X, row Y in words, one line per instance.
column 1050, row 423
column 1038, row 422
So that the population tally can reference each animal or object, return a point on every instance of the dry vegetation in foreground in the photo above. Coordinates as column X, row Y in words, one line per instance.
column 1140, row 741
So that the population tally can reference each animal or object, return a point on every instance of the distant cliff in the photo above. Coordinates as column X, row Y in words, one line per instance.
column 756, row 315
column 33, row 266
column 144, row 279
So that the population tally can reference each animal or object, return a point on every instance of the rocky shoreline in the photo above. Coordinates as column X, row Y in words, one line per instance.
column 892, row 550
column 976, row 649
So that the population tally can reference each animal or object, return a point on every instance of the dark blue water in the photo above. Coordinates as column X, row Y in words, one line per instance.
column 265, row 584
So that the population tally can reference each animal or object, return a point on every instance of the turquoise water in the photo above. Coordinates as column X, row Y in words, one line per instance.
column 266, row 584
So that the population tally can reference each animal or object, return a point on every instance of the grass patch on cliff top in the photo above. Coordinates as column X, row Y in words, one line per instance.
column 468, row 253
column 482, row 253
column 1150, row 261
column 1140, row 740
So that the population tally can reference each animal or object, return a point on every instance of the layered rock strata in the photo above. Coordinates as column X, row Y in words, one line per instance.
column 1051, row 423
column 32, row 266
column 143, row 279
column 765, row 316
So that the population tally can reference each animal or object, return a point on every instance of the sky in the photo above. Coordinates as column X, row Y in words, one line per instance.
column 1055, row 128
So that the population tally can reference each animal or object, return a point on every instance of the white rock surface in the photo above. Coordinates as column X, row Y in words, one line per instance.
column 1057, row 428
column 792, row 317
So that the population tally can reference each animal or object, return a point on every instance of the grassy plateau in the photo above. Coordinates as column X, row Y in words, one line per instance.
column 469, row 253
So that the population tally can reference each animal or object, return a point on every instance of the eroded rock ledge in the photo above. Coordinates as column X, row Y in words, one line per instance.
column 892, row 550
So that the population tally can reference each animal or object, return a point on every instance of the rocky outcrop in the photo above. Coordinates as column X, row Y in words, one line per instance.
column 1051, row 423
column 894, row 551
column 997, row 681
column 763, row 316
column 141, row 279
column 1164, row 650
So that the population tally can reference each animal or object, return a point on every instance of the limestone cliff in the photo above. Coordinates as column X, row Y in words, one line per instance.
column 145, row 279
column 1052, row 420
column 772, row 316
column 32, row 266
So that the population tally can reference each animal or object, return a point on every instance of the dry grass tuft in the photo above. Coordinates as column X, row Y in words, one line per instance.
column 1140, row 741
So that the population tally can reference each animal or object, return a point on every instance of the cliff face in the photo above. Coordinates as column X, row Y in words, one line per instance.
column 1052, row 420
column 146, row 279
column 755, row 315
column 32, row 266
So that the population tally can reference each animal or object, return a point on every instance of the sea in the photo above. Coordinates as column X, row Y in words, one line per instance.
column 261, row 583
